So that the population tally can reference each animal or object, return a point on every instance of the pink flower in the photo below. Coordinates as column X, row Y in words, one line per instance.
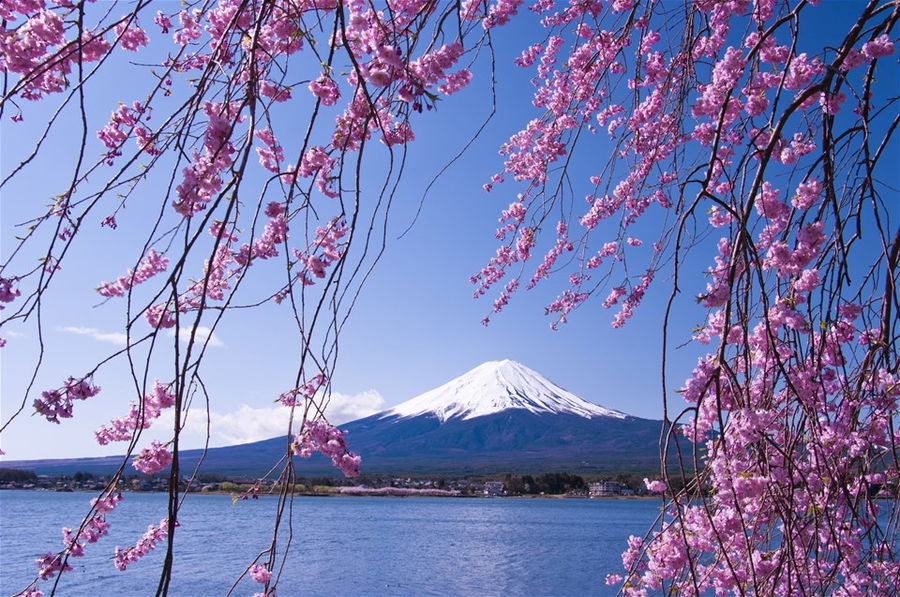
column 56, row 404
column 808, row 280
column 260, row 573
column 326, row 90
column 145, row 545
column 879, row 47
column 272, row 154
column 150, row 265
column 807, row 194
column 329, row 440
column 7, row 293
column 131, row 36
column 122, row 428
column 153, row 459
column 74, row 543
column 655, row 486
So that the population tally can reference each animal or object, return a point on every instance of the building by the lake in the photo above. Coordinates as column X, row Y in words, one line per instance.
column 493, row 488
column 609, row 489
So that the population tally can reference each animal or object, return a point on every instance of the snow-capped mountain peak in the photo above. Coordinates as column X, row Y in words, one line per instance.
column 494, row 387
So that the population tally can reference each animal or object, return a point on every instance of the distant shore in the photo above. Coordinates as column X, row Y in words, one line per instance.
column 374, row 492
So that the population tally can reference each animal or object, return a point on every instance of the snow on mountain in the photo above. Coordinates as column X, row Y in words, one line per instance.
column 494, row 387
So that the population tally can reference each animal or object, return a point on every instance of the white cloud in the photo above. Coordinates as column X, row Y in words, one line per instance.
column 349, row 407
column 249, row 424
column 13, row 334
column 120, row 338
column 200, row 336
column 246, row 424
column 112, row 337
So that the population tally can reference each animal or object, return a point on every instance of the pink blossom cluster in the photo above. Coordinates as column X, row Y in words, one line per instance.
column 307, row 390
column 130, row 35
column 225, row 266
column 500, row 12
column 432, row 68
column 56, row 404
column 125, row 121
column 655, row 486
column 562, row 244
column 808, row 193
column 7, row 295
column 787, row 152
column 25, row 48
column 494, row 271
column 151, row 264
column 742, row 86
column 91, row 531
column 511, row 218
column 271, row 154
column 607, row 250
column 529, row 55
column 318, row 164
column 613, row 297
column 190, row 26
column 503, row 300
column 327, row 248
column 633, row 300
column 202, row 178
column 716, row 95
column 319, row 436
column 786, row 380
column 787, row 261
column 718, row 289
column 715, row 326
column 275, row 233
column 152, row 459
column 326, row 90
column 879, row 47
column 147, row 543
column 139, row 417
column 564, row 304
column 524, row 243
column 260, row 573
column 33, row 45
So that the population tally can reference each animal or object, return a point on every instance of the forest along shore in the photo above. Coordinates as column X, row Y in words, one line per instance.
column 547, row 485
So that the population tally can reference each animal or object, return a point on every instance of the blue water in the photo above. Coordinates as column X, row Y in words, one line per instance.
column 342, row 546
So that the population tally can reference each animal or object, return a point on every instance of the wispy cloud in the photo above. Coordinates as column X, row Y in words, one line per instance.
column 200, row 336
column 249, row 424
column 120, row 338
column 349, row 407
column 111, row 337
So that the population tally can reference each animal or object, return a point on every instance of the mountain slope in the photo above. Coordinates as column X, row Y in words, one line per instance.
column 499, row 417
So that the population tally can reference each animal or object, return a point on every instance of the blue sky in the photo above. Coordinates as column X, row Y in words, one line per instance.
column 415, row 326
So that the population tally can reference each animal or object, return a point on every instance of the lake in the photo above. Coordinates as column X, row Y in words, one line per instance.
column 342, row 546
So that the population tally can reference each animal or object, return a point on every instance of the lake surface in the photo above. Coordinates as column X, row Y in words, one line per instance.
column 342, row 546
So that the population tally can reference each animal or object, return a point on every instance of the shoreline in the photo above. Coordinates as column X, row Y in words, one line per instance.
column 361, row 494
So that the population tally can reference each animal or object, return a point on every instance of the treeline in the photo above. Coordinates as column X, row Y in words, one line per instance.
column 547, row 483
column 11, row 475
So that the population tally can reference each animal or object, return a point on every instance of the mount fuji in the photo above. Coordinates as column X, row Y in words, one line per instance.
column 499, row 417
column 494, row 387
